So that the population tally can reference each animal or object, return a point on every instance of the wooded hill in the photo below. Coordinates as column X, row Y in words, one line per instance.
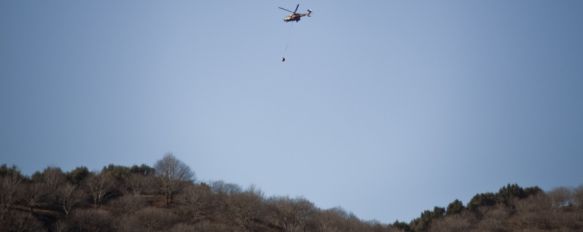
column 166, row 197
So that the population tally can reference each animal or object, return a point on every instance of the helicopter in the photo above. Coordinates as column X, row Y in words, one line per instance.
column 294, row 16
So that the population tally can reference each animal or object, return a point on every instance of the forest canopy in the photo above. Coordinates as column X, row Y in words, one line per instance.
column 167, row 197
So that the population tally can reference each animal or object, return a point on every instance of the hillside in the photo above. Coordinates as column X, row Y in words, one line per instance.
column 165, row 197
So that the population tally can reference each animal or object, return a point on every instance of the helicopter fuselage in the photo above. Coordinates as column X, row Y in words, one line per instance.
column 293, row 17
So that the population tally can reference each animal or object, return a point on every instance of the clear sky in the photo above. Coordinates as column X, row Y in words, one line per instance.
column 385, row 108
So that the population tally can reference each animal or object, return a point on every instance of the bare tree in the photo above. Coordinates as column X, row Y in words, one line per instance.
column 291, row 214
column 224, row 188
column 96, row 220
column 98, row 186
column 534, row 212
column 560, row 196
column 32, row 195
column 453, row 223
column 68, row 197
column 578, row 196
column 9, row 185
column 149, row 219
column 139, row 184
column 194, row 202
column 247, row 207
column 22, row 222
column 53, row 177
column 494, row 219
column 173, row 174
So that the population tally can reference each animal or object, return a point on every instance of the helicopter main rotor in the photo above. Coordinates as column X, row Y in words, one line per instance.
column 293, row 12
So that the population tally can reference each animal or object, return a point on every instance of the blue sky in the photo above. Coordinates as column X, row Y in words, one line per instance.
column 385, row 108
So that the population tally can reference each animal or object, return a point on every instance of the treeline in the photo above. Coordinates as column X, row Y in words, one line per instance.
column 512, row 208
column 166, row 197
